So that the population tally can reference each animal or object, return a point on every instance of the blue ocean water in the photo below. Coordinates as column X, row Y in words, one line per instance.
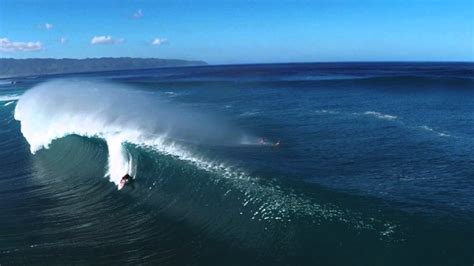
column 374, row 165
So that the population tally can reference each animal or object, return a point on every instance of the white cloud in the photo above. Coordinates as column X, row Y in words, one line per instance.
column 105, row 40
column 102, row 40
column 8, row 46
column 137, row 14
column 48, row 26
column 159, row 41
column 62, row 40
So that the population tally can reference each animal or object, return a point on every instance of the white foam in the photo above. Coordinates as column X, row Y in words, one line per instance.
column 120, row 161
column 8, row 103
column 250, row 113
column 441, row 134
column 324, row 111
column 171, row 93
column 380, row 115
column 6, row 82
column 9, row 97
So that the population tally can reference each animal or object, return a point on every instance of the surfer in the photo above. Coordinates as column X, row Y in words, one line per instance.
column 126, row 179
column 264, row 142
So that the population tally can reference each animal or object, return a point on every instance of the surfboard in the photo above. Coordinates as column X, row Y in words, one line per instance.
column 121, row 184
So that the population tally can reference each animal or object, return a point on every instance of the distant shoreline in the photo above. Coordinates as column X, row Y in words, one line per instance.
column 11, row 68
column 171, row 63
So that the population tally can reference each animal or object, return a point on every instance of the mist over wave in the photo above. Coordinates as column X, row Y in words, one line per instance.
column 118, row 115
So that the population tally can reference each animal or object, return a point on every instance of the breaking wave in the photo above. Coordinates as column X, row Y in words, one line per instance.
column 121, row 116
column 118, row 115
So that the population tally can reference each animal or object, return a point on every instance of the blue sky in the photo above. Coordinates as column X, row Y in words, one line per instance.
column 244, row 31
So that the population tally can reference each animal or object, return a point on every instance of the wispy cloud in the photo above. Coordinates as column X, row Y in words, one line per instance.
column 46, row 26
column 62, row 40
column 137, row 14
column 105, row 40
column 8, row 46
column 159, row 41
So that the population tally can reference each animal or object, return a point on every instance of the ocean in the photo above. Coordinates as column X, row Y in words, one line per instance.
column 272, row 164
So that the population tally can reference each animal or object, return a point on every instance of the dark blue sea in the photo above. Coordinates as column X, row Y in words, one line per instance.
column 278, row 164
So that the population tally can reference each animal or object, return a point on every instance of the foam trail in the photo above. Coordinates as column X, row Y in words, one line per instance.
column 8, row 103
column 119, row 162
column 324, row 111
column 380, row 115
column 118, row 115
column 441, row 134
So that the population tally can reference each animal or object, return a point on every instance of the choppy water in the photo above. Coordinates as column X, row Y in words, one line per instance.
column 374, row 167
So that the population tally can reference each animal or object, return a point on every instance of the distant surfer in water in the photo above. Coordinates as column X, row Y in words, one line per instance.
column 263, row 141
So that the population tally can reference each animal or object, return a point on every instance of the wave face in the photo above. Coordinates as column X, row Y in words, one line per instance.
column 118, row 115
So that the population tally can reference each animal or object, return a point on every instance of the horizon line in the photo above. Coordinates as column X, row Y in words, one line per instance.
column 248, row 63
